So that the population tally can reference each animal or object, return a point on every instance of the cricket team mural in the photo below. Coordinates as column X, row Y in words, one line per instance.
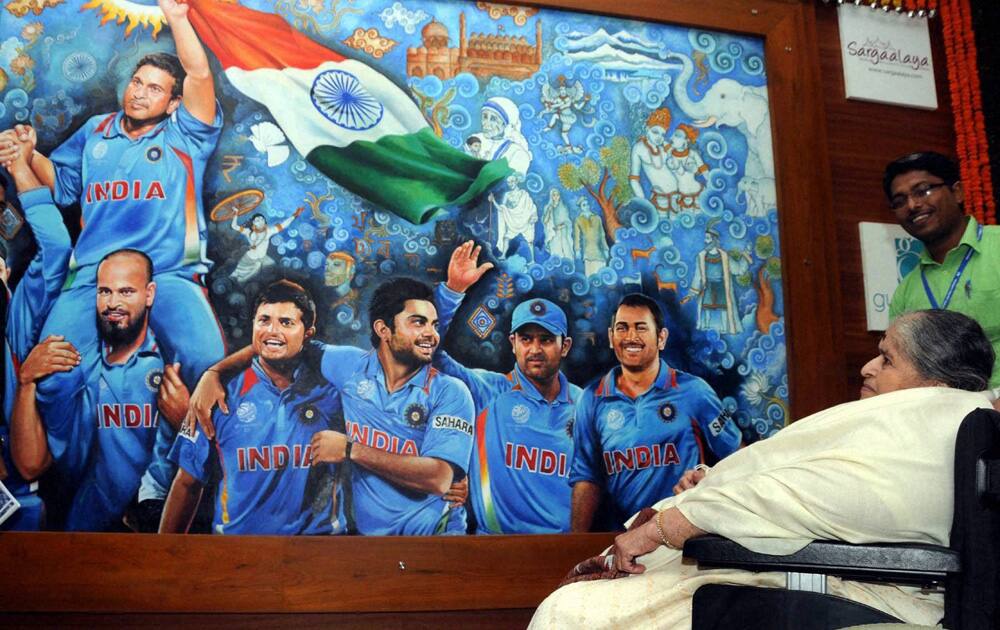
column 377, row 267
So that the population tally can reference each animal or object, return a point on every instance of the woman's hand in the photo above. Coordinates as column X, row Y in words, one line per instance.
column 632, row 544
column 689, row 479
column 601, row 567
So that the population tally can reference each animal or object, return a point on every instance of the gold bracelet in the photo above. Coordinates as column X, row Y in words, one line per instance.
column 659, row 530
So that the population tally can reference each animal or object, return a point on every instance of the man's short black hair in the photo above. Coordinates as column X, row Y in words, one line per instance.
column 134, row 252
column 169, row 64
column 288, row 291
column 389, row 300
column 934, row 163
column 644, row 301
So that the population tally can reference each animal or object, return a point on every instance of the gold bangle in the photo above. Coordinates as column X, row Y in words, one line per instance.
column 659, row 530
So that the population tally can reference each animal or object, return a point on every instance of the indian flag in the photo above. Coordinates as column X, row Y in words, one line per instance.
column 349, row 121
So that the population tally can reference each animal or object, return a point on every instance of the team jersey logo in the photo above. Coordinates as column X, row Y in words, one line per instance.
column 716, row 426
column 100, row 150
column 520, row 414
column 153, row 154
column 537, row 308
column 615, row 419
column 537, row 460
column 310, row 414
column 415, row 415
column 365, row 388
column 273, row 457
column 246, row 412
column 454, row 423
column 380, row 439
column 668, row 412
column 641, row 457
column 126, row 416
column 189, row 429
column 153, row 380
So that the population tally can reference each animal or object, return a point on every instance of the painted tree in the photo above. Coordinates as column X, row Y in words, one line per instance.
column 770, row 270
column 605, row 181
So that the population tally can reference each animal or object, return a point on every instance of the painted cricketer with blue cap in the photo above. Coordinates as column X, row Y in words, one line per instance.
column 518, row 479
column 540, row 312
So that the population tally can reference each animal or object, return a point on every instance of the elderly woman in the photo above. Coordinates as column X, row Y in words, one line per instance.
column 879, row 469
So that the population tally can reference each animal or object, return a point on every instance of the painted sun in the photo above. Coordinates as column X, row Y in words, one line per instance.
column 135, row 13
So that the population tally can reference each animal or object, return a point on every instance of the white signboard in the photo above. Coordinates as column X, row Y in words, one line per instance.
column 887, row 57
column 887, row 254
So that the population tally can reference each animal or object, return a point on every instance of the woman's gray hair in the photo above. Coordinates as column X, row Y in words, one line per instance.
column 947, row 347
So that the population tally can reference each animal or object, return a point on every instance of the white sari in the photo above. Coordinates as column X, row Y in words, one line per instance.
column 875, row 470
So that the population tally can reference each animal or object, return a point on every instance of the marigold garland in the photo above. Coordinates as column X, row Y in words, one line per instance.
column 964, row 85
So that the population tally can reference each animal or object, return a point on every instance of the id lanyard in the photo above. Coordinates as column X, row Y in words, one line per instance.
column 954, row 280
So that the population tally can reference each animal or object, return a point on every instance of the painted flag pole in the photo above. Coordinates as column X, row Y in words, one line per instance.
column 349, row 121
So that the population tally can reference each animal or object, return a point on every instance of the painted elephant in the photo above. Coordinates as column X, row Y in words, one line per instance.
column 743, row 107
column 758, row 193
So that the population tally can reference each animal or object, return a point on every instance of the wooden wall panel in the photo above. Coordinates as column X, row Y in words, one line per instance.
column 862, row 139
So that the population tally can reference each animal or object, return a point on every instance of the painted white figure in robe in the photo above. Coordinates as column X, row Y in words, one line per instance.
column 558, row 226
column 517, row 215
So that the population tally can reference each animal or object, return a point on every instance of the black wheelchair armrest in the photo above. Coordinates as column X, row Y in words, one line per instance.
column 908, row 563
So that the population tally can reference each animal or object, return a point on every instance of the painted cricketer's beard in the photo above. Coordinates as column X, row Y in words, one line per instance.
column 117, row 336
column 405, row 354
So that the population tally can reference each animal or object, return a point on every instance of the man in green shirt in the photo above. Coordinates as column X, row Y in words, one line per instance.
column 959, row 269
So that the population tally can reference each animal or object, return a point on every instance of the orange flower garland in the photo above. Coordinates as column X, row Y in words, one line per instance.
column 967, row 108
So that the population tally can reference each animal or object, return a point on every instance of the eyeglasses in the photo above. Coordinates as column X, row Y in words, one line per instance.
column 919, row 193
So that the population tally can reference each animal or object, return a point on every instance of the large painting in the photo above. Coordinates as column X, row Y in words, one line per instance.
column 340, row 146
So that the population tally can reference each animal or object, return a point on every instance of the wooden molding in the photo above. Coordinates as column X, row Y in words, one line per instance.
column 125, row 573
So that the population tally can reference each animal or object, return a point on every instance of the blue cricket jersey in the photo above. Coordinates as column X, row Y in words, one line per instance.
column 143, row 193
column 110, row 431
column 430, row 416
column 26, row 311
column 263, row 450
column 637, row 449
column 518, row 478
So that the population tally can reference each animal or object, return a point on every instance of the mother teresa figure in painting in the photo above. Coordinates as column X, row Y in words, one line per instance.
column 501, row 136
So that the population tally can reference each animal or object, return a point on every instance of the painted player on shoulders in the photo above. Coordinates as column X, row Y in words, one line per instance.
column 138, row 177
column 524, row 418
